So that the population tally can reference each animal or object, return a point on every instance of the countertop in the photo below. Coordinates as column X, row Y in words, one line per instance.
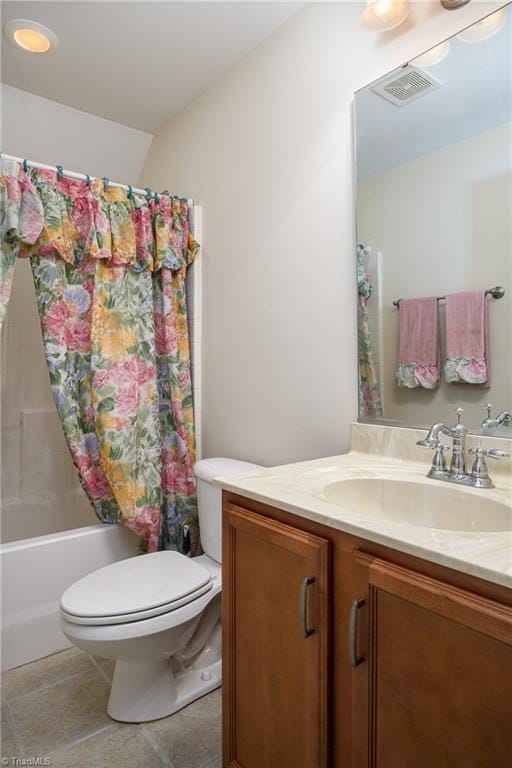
column 387, row 452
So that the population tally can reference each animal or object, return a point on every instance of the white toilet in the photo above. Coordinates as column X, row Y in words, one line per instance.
column 157, row 615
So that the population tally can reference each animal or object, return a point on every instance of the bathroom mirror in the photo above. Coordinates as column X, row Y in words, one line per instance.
column 434, row 202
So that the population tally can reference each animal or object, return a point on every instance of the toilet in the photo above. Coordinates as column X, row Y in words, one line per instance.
column 157, row 615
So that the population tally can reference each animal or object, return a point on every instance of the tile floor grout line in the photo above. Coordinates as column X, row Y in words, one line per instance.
column 92, row 735
column 50, row 685
column 213, row 763
column 97, row 672
column 100, row 669
column 11, row 722
column 156, row 746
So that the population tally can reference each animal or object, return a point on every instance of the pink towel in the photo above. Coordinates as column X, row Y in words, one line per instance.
column 418, row 360
column 467, row 339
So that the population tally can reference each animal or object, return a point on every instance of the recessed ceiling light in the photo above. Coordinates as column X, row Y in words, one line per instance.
column 31, row 36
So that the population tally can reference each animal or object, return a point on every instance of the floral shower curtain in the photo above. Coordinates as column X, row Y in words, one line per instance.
column 21, row 219
column 109, row 270
column 369, row 393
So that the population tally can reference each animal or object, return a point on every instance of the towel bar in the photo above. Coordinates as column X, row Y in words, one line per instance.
column 497, row 292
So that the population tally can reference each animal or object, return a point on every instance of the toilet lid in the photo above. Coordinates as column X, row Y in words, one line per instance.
column 142, row 585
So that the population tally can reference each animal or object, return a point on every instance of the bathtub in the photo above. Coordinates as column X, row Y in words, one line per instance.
column 34, row 574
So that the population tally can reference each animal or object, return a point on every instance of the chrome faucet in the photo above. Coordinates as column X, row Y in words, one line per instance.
column 504, row 418
column 479, row 476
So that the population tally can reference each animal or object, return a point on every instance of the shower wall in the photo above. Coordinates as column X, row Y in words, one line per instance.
column 40, row 492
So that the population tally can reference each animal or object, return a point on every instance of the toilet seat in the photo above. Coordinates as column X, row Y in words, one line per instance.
column 124, row 618
column 135, row 589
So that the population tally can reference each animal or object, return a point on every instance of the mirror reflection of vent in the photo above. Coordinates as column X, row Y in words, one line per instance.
column 403, row 88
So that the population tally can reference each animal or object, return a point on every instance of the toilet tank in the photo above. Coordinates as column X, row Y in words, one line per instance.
column 209, row 500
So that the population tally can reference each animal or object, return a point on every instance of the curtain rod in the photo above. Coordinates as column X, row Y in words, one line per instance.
column 83, row 177
column 497, row 292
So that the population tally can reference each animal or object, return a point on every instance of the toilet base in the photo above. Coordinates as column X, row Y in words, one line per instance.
column 143, row 691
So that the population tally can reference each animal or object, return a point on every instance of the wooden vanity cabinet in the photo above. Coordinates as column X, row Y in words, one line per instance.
column 432, row 649
column 275, row 636
column 432, row 681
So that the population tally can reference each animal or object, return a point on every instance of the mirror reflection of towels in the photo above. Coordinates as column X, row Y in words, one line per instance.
column 467, row 339
column 418, row 361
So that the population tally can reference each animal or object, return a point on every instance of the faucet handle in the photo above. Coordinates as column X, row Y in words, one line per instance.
column 459, row 411
column 479, row 472
column 438, row 468
column 492, row 453
column 495, row 453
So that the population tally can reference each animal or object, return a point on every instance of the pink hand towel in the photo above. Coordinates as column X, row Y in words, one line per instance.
column 418, row 360
column 467, row 339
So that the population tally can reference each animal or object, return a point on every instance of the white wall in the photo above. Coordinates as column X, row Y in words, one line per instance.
column 443, row 224
column 40, row 492
column 52, row 133
column 267, row 151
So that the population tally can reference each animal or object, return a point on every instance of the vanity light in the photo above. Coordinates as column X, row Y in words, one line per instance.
column 452, row 5
column 485, row 28
column 383, row 15
column 31, row 36
column 434, row 56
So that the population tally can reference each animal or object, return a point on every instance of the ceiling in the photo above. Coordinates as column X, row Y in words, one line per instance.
column 136, row 63
column 475, row 96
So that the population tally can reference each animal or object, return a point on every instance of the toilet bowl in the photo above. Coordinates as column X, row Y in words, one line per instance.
column 158, row 615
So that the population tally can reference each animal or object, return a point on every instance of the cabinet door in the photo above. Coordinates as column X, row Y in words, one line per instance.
column 275, row 637
column 432, row 685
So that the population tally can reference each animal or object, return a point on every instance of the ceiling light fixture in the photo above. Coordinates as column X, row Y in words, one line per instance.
column 452, row 5
column 485, row 28
column 433, row 56
column 383, row 15
column 31, row 36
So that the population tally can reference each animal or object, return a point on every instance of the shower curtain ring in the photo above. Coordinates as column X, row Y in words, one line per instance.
column 130, row 192
column 87, row 180
column 148, row 192
column 25, row 165
column 157, row 197
column 105, row 182
column 60, row 172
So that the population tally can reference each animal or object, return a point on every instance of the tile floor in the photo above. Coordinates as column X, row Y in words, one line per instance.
column 55, row 708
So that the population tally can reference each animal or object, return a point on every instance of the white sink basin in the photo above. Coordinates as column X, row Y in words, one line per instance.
column 426, row 505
